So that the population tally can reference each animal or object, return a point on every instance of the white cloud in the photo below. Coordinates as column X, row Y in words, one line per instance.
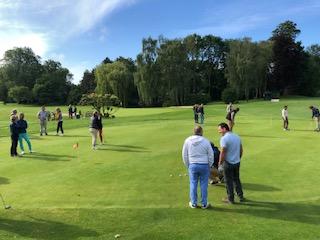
column 46, row 25
column 242, row 17
column 37, row 41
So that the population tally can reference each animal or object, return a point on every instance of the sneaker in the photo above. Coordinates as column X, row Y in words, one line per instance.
column 94, row 148
column 227, row 201
column 212, row 182
column 31, row 151
column 192, row 205
column 22, row 153
column 242, row 199
column 206, row 206
column 57, row 134
column 46, row 134
column 40, row 134
column 61, row 135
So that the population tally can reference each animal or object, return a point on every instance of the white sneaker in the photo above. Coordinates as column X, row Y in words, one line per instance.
column 22, row 153
column 192, row 205
column 206, row 206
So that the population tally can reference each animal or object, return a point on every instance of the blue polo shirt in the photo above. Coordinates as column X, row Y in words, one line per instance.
column 231, row 142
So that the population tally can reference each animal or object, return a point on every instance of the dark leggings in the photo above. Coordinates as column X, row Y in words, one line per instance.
column 100, row 135
column 60, row 127
column 14, row 144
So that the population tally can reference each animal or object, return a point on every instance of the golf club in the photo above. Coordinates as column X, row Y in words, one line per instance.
column 4, row 204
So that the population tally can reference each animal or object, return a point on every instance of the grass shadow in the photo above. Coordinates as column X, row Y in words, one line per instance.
column 293, row 212
column 259, row 187
column 126, row 146
column 49, row 157
column 257, row 136
column 253, row 187
column 4, row 180
column 44, row 229
column 123, row 148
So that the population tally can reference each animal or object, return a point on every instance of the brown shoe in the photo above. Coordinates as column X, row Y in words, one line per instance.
column 227, row 201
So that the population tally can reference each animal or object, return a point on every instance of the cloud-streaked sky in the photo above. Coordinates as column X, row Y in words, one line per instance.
column 81, row 33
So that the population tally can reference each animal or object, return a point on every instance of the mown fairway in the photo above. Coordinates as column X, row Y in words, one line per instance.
column 125, row 187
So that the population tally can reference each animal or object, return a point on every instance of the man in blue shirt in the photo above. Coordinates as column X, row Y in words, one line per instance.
column 230, row 155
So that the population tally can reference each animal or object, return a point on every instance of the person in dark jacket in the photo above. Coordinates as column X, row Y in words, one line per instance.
column 201, row 113
column 59, row 118
column 14, row 131
column 23, row 125
column 100, row 128
column 316, row 117
column 195, row 113
column 94, row 129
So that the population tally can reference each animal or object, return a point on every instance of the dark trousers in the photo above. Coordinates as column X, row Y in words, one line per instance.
column 59, row 127
column 232, row 179
column 14, row 144
column 196, row 118
column 285, row 123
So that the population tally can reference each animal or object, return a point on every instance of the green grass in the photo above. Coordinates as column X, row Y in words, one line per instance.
column 125, row 187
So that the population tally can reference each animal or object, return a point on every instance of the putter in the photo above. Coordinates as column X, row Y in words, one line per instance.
column 4, row 204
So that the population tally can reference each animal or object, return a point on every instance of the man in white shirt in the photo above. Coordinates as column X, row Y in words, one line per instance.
column 284, row 114
column 197, row 155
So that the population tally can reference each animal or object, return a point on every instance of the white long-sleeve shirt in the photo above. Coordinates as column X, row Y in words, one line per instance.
column 197, row 149
column 284, row 113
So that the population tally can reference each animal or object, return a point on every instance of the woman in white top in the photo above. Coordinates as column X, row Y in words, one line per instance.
column 284, row 114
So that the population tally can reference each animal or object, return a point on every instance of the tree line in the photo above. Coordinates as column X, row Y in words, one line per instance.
column 194, row 69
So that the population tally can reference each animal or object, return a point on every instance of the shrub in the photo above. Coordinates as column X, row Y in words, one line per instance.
column 20, row 94
column 229, row 95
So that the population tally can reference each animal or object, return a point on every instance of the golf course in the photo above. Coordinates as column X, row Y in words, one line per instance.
column 135, row 186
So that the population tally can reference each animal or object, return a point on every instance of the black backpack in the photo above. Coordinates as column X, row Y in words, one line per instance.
column 216, row 153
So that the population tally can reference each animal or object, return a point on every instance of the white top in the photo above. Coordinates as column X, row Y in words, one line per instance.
column 229, row 108
column 284, row 113
column 197, row 149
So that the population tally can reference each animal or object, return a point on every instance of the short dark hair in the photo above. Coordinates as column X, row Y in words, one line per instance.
column 224, row 125
column 311, row 107
column 198, row 130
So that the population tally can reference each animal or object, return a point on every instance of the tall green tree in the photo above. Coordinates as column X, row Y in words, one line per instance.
column 20, row 67
column 175, row 74
column 240, row 68
column 87, row 83
column 147, row 76
column 213, row 55
column 118, row 77
column 53, row 85
column 310, row 84
column 288, row 56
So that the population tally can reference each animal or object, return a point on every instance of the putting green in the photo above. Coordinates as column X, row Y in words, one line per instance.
column 125, row 186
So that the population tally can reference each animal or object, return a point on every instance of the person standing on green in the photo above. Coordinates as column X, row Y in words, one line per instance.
column 22, row 128
column 43, row 117
column 201, row 113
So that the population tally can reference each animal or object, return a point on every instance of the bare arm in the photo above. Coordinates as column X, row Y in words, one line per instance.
column 222, row 155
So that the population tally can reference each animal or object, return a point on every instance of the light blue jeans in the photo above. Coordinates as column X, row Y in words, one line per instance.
column 199, row 172
column 25, row 137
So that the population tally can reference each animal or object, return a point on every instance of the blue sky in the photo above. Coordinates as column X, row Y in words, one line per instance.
column 81, row 33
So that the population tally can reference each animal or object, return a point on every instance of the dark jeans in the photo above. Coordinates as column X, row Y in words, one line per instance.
column 232, row 179
column 14, row 144
column 285, row 123
column 60, row 127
